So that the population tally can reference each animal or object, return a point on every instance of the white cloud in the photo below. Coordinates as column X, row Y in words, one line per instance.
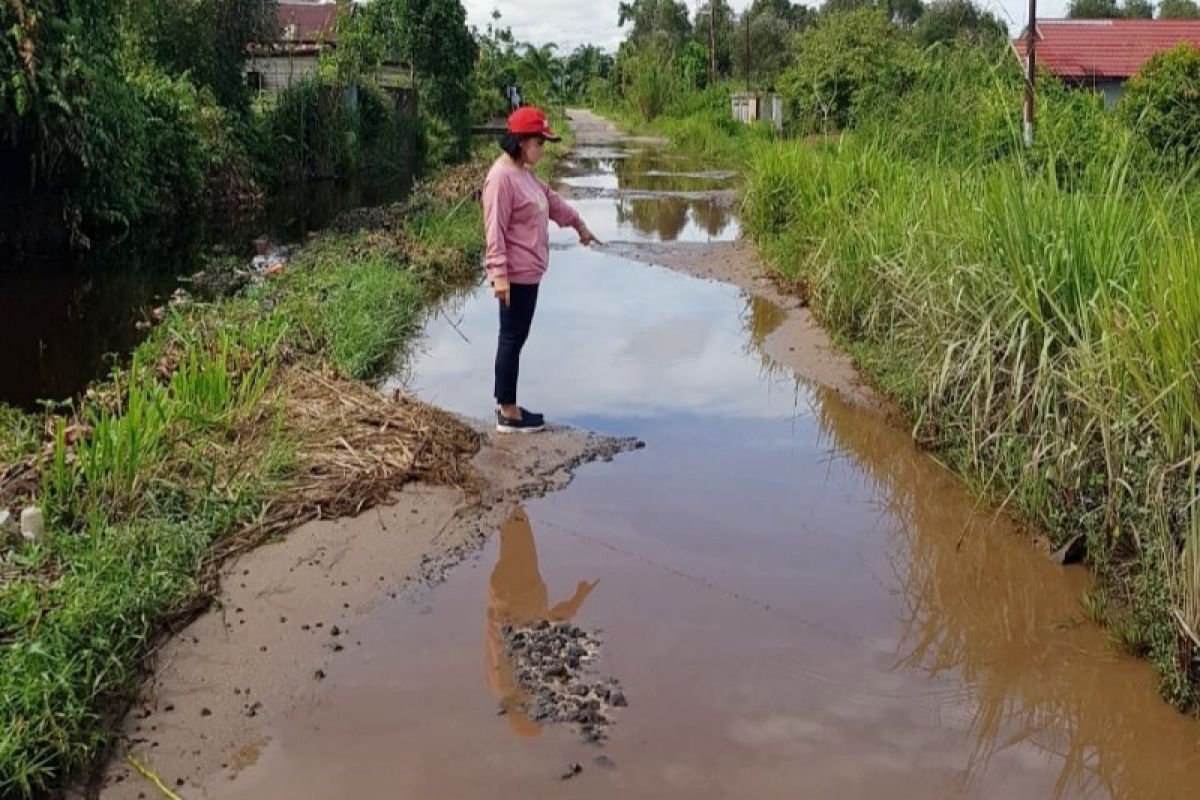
column 570, row 23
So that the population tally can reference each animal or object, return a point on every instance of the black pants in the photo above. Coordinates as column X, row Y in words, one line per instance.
column 515, row 320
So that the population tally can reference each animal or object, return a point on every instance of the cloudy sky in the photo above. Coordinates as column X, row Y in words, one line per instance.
column 574, row 22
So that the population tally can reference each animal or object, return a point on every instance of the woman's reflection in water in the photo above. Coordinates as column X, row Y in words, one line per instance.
column 517, row 595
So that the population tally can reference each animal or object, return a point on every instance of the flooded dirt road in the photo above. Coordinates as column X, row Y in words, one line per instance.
column 796, row 602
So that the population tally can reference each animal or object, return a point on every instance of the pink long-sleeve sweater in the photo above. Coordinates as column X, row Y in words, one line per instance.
column 517, row 208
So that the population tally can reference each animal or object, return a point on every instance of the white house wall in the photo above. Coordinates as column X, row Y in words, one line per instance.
column 281, row 72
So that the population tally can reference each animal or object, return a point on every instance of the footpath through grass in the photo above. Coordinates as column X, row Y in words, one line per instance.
column 231, row 424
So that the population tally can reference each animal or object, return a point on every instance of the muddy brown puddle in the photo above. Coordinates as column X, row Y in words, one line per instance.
column 797, row 603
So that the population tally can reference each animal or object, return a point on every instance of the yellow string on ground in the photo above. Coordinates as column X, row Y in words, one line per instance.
column 150, row 776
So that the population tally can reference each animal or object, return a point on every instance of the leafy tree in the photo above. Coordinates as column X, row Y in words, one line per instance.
column 661, row 22
column 945, row 21
column 1138, row 9
column 205, row 39
column 1179, row 9
column 432, row 35
column 715, row 21
column 495, row 68
column 585, row 64
column 902, row 12
column 1093, row 9
column 52, row 54
column 539, row 72
column 1162, row 103
column 771, row 48
column 845, row 64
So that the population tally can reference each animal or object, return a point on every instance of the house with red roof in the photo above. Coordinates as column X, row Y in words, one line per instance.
column 303, row 32
column 1101, row 54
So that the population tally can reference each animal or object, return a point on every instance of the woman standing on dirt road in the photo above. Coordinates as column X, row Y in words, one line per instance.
column 517, row 209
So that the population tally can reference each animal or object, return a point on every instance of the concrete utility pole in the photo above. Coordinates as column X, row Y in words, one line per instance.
column 747, row 17
column 712, row 41
column 1030, row 63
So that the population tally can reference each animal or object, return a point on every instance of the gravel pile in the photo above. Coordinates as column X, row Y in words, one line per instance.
column 550, row 664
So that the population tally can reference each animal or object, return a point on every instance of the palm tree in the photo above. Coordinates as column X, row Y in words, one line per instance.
column 538, row 71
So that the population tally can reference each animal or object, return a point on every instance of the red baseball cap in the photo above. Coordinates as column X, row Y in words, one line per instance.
column 531, row 121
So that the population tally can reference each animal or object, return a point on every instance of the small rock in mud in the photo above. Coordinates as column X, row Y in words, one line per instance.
column 572, row 771
column 319, row 674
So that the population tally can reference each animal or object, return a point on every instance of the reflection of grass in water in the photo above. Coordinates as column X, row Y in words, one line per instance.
column 1006, row 625
column 998, row 619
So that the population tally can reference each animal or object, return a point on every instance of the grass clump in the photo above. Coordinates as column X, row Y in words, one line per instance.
column 19, row 434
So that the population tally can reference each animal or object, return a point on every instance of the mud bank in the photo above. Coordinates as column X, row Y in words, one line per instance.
column 288, row 610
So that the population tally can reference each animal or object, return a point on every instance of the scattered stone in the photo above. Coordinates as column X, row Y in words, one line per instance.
column 335, row 631
column 548, row 662
column 33, row 524
column 319, row 674
column 204, row 712
column 252, row 711
column 572, row 771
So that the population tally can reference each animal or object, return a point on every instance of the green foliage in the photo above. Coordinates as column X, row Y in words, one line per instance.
column 652, row 80
column 1110, row 9
column 584, row 67
column 540, row 74
column 1178, row 9
column 1093, row 9
column 945, row 21
column 1162, row 105
column 846, row 63
column 661, row 24
column 18, row 434
column 311, row 132
column 106, row 114
column 771, row 48
column 205, row 40
column 715, row 23
column 357, row 310
column 441, row 49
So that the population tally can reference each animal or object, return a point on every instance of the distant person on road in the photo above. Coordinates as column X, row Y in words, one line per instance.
column 517, row 209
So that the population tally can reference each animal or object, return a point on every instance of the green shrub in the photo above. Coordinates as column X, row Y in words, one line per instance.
column 1162, row 104
column 847, row 63
column 310, row 132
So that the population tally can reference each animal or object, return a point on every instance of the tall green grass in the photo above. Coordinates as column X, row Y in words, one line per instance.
column 1042, row 332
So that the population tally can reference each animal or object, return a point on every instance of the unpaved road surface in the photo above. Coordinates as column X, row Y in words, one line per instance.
column 793, row 600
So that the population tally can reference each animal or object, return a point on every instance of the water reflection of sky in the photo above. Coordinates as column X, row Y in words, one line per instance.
column 611, row 341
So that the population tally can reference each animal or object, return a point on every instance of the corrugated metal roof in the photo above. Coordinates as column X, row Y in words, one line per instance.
column 1106, row 49
column 308, row 22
